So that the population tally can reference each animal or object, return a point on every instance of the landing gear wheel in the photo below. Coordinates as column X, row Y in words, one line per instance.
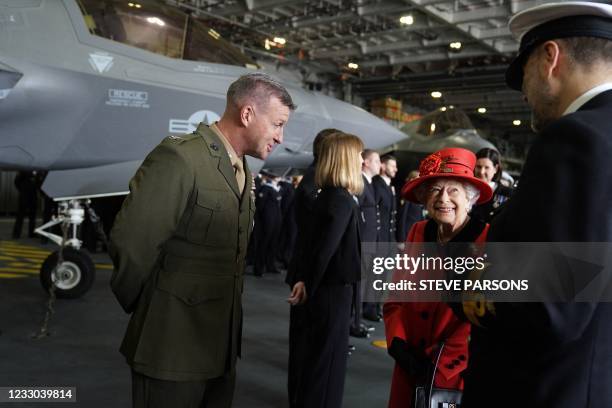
column 73, row 278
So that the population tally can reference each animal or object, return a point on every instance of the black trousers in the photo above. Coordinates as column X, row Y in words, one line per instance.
column 150, row 392
column 298, row 344
column 371, row 305
column 26, row 208
column 327, row 333
column 356, row 306
column 266, row 241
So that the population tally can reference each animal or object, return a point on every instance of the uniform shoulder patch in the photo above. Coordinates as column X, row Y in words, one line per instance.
column 181, row 138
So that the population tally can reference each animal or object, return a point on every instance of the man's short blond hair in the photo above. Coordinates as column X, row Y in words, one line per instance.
column 340, row 162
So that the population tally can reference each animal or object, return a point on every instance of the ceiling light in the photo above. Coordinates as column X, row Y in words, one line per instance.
column 443, row 109
column 280, row 40
column 455, row 45
column 516, row 122
column 131, row 4
column 451, row 107
column 352, row 65
column 482, row 110
column 214, row 34
column 137, row 5
column 156, row 20
column 408, row 20
column 432, row 128
column 436, row 94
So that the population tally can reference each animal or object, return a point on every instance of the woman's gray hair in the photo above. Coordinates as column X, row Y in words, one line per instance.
column 472, row 193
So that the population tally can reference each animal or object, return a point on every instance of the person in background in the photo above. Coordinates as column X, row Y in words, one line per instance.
column 446, row 186
column 27, row 184
column 288, row 230
column 330, row 267
column 409, row 212
column 489, row 169
column 386, row 203
column 305, row 196
column 369, row 229
column 268, row 217
column 385, row 198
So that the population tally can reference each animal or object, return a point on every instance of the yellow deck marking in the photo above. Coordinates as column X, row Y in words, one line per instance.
column 20, row 270
column 19, row 253
column 22, row 264
column 380, row 343
column 11, row 276
column 24, row 251
column 104, row 266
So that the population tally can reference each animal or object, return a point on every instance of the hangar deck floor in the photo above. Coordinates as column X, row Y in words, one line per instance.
column 82, row 350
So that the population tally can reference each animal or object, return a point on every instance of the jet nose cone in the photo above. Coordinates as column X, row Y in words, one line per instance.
column 375, row 132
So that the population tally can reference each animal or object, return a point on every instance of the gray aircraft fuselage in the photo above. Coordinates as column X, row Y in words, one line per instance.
column 89, row 109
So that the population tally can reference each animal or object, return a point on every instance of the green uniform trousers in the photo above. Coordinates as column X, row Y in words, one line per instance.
column 148, row 392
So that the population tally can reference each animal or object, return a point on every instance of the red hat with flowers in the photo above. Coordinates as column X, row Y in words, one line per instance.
column 452, row 162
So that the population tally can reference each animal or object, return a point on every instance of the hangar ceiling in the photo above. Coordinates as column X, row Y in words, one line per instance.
column 405, row 59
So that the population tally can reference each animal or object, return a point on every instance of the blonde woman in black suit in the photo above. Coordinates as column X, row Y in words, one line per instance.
column 331, row 266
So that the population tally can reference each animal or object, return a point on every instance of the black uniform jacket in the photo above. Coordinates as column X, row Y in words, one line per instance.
column 552, row 354
column 385, row 199
column 268, row 206
column 333, row 256
column 409, row 214
column 487, row 211
column 305, row 196
column 369, row 220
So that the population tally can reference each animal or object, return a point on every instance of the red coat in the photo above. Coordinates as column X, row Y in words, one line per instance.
column 424, row 325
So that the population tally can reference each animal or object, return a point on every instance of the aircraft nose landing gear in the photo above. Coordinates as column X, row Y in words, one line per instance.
column 69, row 271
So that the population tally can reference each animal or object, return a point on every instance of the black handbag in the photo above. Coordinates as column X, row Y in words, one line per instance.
column 432, row 397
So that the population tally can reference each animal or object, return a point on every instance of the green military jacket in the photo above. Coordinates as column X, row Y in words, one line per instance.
column 178, row 246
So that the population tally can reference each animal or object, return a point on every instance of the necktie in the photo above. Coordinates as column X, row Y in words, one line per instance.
column 240, row 177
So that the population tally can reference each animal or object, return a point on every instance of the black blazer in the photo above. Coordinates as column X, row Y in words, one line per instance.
column 409, row 214
column 487, row 211
column 268, row 205
column 385, row 200
column 552, row 354
column 369, row 221
column 303, row 205
column 334, row 254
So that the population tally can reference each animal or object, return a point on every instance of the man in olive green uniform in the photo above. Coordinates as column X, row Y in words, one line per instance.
column 178, row 246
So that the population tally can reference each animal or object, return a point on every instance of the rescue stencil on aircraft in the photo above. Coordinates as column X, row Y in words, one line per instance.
column 182, row 126
column 128, row 98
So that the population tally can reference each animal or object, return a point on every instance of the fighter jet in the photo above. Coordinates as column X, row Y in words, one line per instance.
column 438, row 129
column 89, row 87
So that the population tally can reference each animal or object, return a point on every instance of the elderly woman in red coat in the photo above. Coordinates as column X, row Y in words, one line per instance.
column 448, row 189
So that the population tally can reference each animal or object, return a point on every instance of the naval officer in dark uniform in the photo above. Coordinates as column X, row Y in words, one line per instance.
column 369, row 228
column 178, row 247
column 554, row 354
column 384, row 193
column 385, row 198
column 268, row 217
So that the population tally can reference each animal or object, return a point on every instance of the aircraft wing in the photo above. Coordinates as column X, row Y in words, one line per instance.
column 100, row 181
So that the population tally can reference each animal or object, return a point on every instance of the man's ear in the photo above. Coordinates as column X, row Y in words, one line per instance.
column 551, row 57
column 246, row 115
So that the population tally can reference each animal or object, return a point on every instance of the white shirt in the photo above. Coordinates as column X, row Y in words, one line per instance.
column 387, row 180
column 587, row 96
column 367, row 177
